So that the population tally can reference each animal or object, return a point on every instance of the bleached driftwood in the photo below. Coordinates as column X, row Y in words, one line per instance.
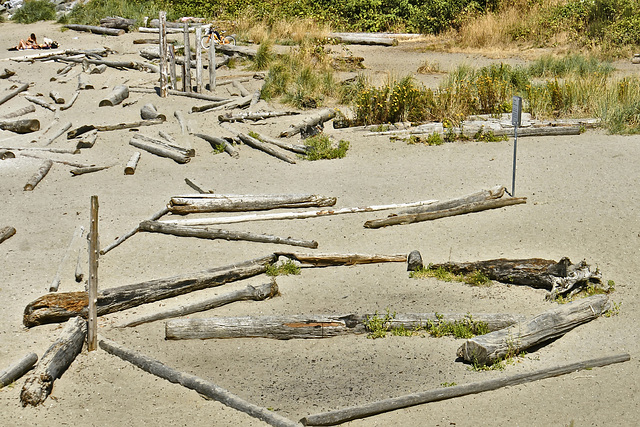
column 242, row 202
column 117, row 22
column 87, row 140
column 267, row 290
column 189, row 152
column 55, row 283
column 117, row 95
column 47, row 149
column 363, row 38
column 96, row 29
column 54, row 362
column 254, row 143
column 39, row 175
column 4, row 98
column 19, row 112
column 6, row 232
column 299, row 149
column 211, row 106
column 58, row 307
column 58, row 133
column 84, row 83
column 130, row 168
column 180, row 93
column 88, row 169
column 18, row 369
column 238, row 85
column 104, row 128
column 316, row 119
column 220, row 142
column 149, row 111
column 133, row 231
column 62, row 162
column 323, row 260
column 479, row 196
column 21, row 125
column 200, row 189
column 71, row 101
column 314, row 326
column 160, row 150
column 40, row 102
column 215, row 234
column 553, row 323
column 57, row 98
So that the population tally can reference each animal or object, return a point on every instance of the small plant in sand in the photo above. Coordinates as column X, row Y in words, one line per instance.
column 283, row 269
column 466, row 328
column 321, row 147
column 476, row 278
column 379, row 326
column 487, row 136
column 446, row 384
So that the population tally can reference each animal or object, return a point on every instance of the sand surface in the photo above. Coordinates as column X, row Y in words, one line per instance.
column 583, row 203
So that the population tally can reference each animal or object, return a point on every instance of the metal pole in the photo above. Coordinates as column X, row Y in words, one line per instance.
column 515, row 151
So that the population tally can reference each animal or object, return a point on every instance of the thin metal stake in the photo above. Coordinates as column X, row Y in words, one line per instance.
column 515, row 151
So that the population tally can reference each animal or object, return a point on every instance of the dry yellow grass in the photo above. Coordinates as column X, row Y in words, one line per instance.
column 293, row 31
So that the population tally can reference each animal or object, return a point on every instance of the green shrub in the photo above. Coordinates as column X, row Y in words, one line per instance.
column 320, row 147
column 92, row 12
column 34, row 11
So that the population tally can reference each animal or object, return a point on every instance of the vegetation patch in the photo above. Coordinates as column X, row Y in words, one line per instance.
column 320, row 147
column 283, row 269
column 476, row 278
column 34, row 11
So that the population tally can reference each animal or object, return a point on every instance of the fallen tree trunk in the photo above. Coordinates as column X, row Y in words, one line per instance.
column 96, row 30
column 38, row 176
column 160, row 150
column 14, row 92
column 365, row 39
column 237, row 202
column 6, row 232
column 220, row 142
column 314, row 120
column 267, row 290
column 460, row 210
column 298, row 149
column 189, row 152
column 553, row 323
column 203, row 387
column 58, row 307
column 130, row 233
column 18, row 369
column 314, row 326
column 480, row 196
column 86, row 128
column 117, row 95
column 254, row 115
column 355, row 412
column 559, row 278
column 54, row 362
column 252, row 142
column 325, row 260
column 215, row 234
column 20, row 126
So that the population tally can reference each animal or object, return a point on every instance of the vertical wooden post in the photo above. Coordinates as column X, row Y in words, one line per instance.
column 212, row 66
column 164, row 68
column 94, row 248
column 172, row 66
column 198, row 59
column 187, row 60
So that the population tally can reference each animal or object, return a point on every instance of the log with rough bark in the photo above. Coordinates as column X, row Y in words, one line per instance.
column 21, row 125
column 189, row 152
column 459, row 210
column 316, row 326
column 117, row 95
column 363, row 38
column 20, row 112
column 6, row 232
column 96, row 30
column 104, row 128
column 479, row 196
column 18, row 369
column 202, row 386
column 55, row 283
column 160, row 150
column 314, row 120
column 324, row 260
column 88, row 169
column 201, row 203
column 250, row 293
column 6, row 154
column 340, row 416
column 130, row 233
column 220, row 142
column 54, row 362
column 130, row 168
column 553, row 323
column 149, row 111
column 117, row 22
column 559, row 278
column 38, row 176
column 10, row 94
column 58, row 307
column 258, row 145
column 215, row 234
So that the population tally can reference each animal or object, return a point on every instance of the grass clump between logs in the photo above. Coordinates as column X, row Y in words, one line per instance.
column 283, row 269
column 476, row 278
column 320, row 147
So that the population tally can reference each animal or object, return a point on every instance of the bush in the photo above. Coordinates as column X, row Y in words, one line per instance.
column 320, row 147
column 34, row 11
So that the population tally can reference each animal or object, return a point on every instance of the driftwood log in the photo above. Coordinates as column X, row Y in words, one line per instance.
column 55, row 283
column 215, row 234
column 6, row 154
column 459, row 210
column 541, row 131
column 88, row 169
column 314, row 326
column 132, row 164
column 87, row 140
column 57, row 134
column 117, row 95
column 57, row 98
column 149, row 111
column 559, row 278
column 54, row 362
column 250, row 293
column 258, row 145
column 160, row 150
column 194, row 95
column 325, row 260
column 6, row 232
column 20, row 125
column 39, row 175
column 4, row 98
column 117, row 22
column 58, row 307
column 19, row 112
column 130, row 233
column 96, row 30
column 347, row 414
column 314, row 120
column 479, row 196
column 18, row 369
column 254, row 115
column 189, row 152
column 237, row 202
column 196, row 186
column 298, row 149
column 84, row 83
column 40, row 102
column 71, row 101
column 103, row 128
column 211, row 106
column 363, row 38
column 220, row 142
column 202, row 386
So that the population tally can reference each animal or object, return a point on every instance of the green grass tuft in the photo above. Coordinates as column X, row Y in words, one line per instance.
column 284, row 269
column 320, row 147
column 34, row 11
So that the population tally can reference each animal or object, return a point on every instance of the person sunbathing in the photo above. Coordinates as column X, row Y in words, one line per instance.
column 31, row 43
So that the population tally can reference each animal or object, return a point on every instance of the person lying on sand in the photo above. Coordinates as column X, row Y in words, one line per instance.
column 32, row 43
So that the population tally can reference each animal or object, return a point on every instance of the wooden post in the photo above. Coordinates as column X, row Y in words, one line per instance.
column 164, row 84
column 94, row 247
column 198, row 60
column 187, row 60
column 172, row 66
column 212, row 67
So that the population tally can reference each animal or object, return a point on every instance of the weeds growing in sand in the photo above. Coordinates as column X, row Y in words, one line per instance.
column 283, row 269
column 320, row 147
column 34, row 11
column 90, row 13
column 475, row 278
column 378, row 327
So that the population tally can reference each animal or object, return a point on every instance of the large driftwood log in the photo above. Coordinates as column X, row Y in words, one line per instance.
column 202, row 386
column 160, row 150
column 237, row 202
column 254, row 143
column 314, row 326
column 133, row 231
column 117, row 95
column 351, row 413
column 149, row 111
column 6, row 232
column 314, row 120
column 117, row 22
column 363, row 38
column 298, row 149
column 58, row 307
column 459, row 210
column 54, row 362
column 559, row 278
column 13, row 93
column 189, row 152
column 254, row 115
column 553, row 323
column 215, row 234
column 18, row 369
column 20, row 125
column 267, row 290
column 103, row 128
column 324, row 260
column 38, row 176
column 96, row 30
column 220, row 142
column 479, row 196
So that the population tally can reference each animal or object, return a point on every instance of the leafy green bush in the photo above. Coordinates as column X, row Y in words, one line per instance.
column 92, row 12
column 320, row 147
column 34, row 11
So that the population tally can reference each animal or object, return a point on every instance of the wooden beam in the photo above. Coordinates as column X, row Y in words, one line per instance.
column 94, row 249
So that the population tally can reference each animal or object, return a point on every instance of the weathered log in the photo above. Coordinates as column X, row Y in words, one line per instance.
column 87, row 140
column 186, row 69
column 113, row 64
column 254, row 143
column 267, row 290
column 40, row 102
column 98, row 69
column 559, row 278
column 54, row 362
column 119, row 94
column 299, row 149
column 239, row 50
column 47, row 149
column 4, row 98
column 84, row 83
column 96, row 30
column 88, row 169
column 86, row 128
column 540, row 131
column 238, row 202
column 210, row 106
column 160, row 150
column 117, row 22
column 191, row 183
column 479, row 196
column 254, row 115
column 55, row 283
column 363, row 38
column 6, row 232
column 315, row 326
column 20, row 112
column 324, row 260
column 460, row 210
column 238, row 85
column 21, row 125
column 58, row 307
column 340, row 416
column 53, row 94
column 314, row 120
column 553, row 323
column 18, row 369
column 58, row 133
column 62, row 162
column 202, row 386
column 6, row 154
column 290, row 215
column 184, row 126
column 38, row 176
column 71, row 101
column 189, row 152
column 130, row 168
column 149, row 111
column 180, row 93
column 220, row 142
column 133, row 231
column 215, row 234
